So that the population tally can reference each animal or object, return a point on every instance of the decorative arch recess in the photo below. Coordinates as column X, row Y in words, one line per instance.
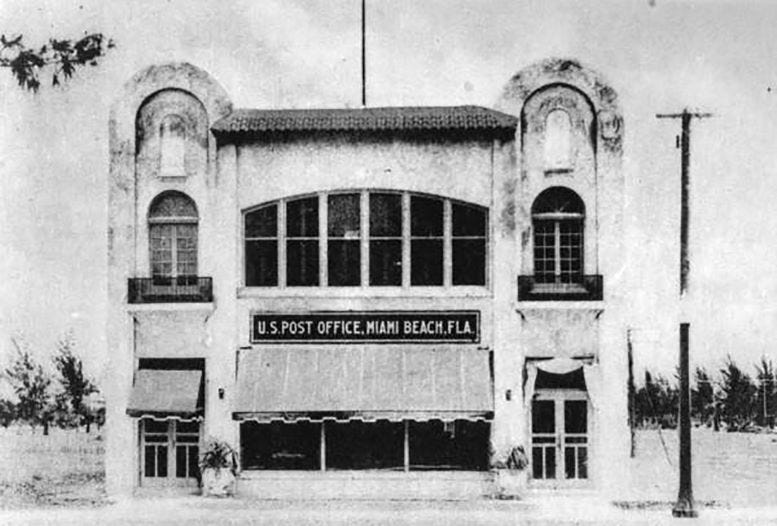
column 602, row 97
column 359, row 237
column 171, row 134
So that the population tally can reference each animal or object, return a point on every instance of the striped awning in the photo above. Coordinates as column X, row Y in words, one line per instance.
column 366, row 383
column 166, row 393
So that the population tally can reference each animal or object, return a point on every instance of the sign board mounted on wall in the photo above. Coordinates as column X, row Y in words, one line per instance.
column 367, row 327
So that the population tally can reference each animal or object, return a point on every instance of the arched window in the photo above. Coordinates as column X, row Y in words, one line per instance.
column 172, row 146
column 557, row 220
column 172, row 235
column 558, row 141
column 368, row 238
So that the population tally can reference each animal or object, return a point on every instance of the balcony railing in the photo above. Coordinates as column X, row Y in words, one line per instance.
column 181, row 289
column 576, row 288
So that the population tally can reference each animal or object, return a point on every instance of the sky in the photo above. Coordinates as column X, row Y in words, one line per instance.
column 660, row 56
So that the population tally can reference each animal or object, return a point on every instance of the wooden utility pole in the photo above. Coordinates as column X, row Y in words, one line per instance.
column 685, row 187
column 684, row 507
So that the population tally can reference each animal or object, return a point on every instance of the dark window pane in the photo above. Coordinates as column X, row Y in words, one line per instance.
column 180, row 461
column 457, row 445
column 426, row 262
column 194, row 455
column 154, row 426
column 575, row 416
column 187, row 427
column 385, row 215
column 543, row 416
column 161, row 461
column 386, row 262
column 550, row 463
column 582, row 463
column 536, row 462
column 302, row 263
column 572, row 380
column 569, row 462
column 261, row 263
column 262, row 222
column 280, row 445
column 358, row 445
column 344, row 262
column 149, row 457
column 302, row 217
column 468, row 220
column 344, row 218
column 425, row 216
column 469, row 262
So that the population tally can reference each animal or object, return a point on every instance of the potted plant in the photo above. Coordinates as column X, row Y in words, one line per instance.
column 510, row 472
column 218, row 466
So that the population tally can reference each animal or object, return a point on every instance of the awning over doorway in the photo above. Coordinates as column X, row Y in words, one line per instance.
column 166, row 393
column 563, row 366
column 366, row 383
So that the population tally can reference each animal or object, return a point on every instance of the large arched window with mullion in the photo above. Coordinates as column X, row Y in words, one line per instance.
column 172, row 233
column 558, row 216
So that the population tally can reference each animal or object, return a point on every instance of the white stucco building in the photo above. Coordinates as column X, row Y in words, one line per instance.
column 374, row 300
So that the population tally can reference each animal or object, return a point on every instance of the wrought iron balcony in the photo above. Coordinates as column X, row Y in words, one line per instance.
column 573, row 288
column 162, row 289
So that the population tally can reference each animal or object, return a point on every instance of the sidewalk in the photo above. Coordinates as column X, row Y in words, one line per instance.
column 553, row 510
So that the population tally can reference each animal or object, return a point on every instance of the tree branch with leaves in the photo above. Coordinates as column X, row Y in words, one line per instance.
column 61, row 57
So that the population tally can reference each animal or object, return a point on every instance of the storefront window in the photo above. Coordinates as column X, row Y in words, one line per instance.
column 354, row 445
column 370, row 239
column 280, row 445
column 449, row 445
column 359, row 445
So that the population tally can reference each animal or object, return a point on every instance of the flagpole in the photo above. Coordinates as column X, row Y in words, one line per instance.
column 364, row 56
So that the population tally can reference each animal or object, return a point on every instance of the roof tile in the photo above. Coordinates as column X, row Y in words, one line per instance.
column 249, row 121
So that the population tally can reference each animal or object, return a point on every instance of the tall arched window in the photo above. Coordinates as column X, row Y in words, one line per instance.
column 172, row 235
column 558, row 140
column 172, row 146
column 557, row 220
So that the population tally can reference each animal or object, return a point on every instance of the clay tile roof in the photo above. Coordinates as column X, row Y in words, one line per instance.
column 413, row 118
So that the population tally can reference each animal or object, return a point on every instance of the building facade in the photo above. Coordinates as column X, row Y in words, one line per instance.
column 393, row 296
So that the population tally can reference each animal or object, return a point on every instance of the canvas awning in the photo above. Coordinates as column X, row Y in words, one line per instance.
column 166, row 393
column 563, row 366
column 366, row 383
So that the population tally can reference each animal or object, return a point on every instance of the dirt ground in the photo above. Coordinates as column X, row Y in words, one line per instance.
column 64, row 469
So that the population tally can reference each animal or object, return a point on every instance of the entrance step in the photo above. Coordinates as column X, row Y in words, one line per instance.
column 365, row 485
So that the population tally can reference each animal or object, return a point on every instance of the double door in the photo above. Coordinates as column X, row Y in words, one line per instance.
column 169, row 451
column 560, row 422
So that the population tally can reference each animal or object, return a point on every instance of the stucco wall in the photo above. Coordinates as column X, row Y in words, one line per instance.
column 273, row 169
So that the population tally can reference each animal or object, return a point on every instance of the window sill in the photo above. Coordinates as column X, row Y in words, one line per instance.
column 172, row 306
column 364, row 292
column 597, row 306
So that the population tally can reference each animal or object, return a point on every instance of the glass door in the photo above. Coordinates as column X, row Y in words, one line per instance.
column 559, row 437
column 169, row 452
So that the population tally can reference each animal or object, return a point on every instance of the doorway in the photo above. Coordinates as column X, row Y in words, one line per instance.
column 560, row 438
column 169, row 451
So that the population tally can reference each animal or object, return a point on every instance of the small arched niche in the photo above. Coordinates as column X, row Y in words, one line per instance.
column 558, row 141
column 172, row 146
